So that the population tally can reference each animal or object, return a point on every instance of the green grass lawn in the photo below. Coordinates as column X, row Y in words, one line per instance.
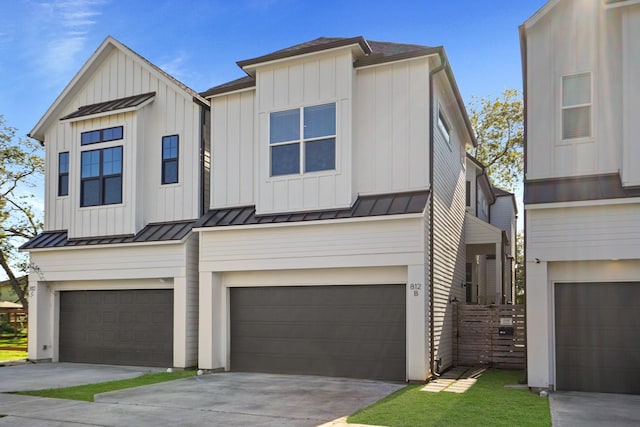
column 486, row 403
column 10, row 341
column 86, row 392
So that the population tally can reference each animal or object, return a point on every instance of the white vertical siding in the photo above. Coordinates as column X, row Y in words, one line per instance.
column 191, row 303
column 391, row 145
column 323, row 78
column 631, row 94
column 232, row 178
column 449, row 212
column 144, row 198
column 576, row 36
column 503, row 215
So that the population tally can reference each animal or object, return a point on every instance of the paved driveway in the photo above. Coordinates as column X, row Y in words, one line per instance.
column 229, row 399
column 572, row 408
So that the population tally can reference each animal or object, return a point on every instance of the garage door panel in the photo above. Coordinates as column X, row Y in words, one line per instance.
column 597, row 337
column 352, row 331
column 98, row 327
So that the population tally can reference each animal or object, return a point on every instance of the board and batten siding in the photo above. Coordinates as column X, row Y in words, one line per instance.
column 574, row 38
column 584, row 233
column 631, row 94
column 186, row 307
column 391, row 127
column 234, row 151
column 314, row 80
column 448, row 222
column 340, row 244
column 145, row 200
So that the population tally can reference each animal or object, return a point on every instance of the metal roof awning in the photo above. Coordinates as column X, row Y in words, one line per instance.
column 130, row 103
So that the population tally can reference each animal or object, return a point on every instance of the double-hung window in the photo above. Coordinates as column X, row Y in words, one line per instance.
column 101, row 177
column 303, row 140
column 170, row 159
column 576, row 106
column 63, row 173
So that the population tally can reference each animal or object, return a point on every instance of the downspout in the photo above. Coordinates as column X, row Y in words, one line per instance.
column 432, row 361
column 523, row 53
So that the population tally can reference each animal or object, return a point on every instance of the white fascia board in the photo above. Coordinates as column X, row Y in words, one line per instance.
column 232, row 92
column 540, row 13
column 309, row 223
column 621, row 4
column 111, row 245
column 413, row 58
column 583, row 203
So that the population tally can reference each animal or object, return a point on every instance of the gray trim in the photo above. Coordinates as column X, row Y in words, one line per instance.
column 364, row 206
column 158, row 232
column 241, row 83
column 575, row 189
column 108, row 106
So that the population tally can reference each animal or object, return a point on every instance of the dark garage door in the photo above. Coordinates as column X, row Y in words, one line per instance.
column 123, row 327
column 342, row 331
column 598, row 337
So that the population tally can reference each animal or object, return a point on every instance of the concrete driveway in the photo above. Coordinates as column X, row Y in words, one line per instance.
column 229, row 399
column 572, row 408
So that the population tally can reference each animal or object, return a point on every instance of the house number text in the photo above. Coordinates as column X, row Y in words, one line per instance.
column 415, row 287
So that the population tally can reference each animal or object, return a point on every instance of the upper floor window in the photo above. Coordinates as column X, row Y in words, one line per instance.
column 101, row 177
column 303, row 139
column 170, row 159
column 444, row 127
column 576, row 106
column 101, row 135
column 468, row 193
column 63, row 174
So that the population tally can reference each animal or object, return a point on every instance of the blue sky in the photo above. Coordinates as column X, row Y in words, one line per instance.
column 43, row 43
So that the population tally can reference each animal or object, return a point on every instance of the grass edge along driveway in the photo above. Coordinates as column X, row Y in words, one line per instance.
column 486, row 403
column 87, row 391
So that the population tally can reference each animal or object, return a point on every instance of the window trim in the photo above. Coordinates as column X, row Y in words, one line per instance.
column 170, row 159
column 101, row 178
column 444, row 126
column 63, row 174
column 102, row 137
column 563, row 108
column 302, row 141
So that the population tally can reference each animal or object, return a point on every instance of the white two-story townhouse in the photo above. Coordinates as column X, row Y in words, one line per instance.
column 114, row 275
column 582, row 195
column 334, row 244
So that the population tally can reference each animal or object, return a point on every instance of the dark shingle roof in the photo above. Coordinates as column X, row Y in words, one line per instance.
column 160, row 232
column 375, row 52
column 364, row 206
column 500, row 192
column 116, row 104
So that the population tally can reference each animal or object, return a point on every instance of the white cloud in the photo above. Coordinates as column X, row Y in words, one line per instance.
column 64, row 27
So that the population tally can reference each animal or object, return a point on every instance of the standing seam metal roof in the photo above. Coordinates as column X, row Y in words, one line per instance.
column 364, row 206
column 114, row 105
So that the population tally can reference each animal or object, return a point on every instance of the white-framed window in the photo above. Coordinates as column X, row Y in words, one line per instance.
column 444, row 127
column 303, row 140
column 576, row 106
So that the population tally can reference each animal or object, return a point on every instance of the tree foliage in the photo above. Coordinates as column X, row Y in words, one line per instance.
column 21, row 166
column 499, row 127
column 519, row 282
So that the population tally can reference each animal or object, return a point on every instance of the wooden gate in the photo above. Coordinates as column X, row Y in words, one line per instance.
column 489, row 335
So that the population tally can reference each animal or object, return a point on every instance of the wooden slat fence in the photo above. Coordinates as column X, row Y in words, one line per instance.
column 489, row 335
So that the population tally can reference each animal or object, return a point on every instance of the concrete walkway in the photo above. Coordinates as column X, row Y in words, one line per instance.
column 229, row 399
column 577, row 409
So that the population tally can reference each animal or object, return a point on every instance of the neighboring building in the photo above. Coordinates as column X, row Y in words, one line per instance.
column 329, row 237
column 582, row 202
column 114, row 275
column 490, row 235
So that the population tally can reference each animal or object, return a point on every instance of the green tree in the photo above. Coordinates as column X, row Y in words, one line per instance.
column 21, row 166
column 499, row 127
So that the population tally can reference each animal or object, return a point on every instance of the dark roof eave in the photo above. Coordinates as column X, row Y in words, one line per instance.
column 375, row 59
column 225, row 88
column 306, row 50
